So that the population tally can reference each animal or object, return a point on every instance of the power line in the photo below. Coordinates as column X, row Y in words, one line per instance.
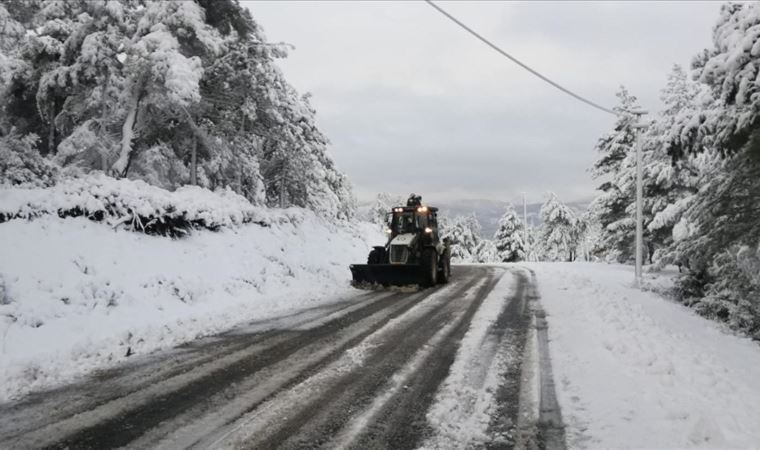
column 520, row 63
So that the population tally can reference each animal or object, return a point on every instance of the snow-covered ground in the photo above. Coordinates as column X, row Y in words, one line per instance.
column 634, row 370
column 77, row 295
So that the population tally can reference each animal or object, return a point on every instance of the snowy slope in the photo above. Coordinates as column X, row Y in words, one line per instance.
column 634, row 370
column 76, row 295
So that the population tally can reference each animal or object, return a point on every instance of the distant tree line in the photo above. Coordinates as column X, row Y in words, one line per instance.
column 563, row 235
column 170, row 92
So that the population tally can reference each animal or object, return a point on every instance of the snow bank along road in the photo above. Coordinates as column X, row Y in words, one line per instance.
column 438, row 368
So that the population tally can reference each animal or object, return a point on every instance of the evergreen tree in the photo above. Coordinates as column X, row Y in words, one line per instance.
column 464, row 235
column 508, row 239
column 383, row 203
column 729, row 106
column 485, row 252
column 615, row 167
column 668, row 185
column 559, row 233
column 171, row 92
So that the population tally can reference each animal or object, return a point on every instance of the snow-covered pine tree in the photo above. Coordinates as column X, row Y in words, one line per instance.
column 12, row 33
column 668, row 185
column 485, row 252
column 559, row 233
column 26, row 108
column 729, row 108
column 533, row 249
column 21, row 164
column 171, row 92
column 464, row 234
column 508, row 239
column 718, row 236
column 588, row 231
column 615, row 168
column 159, row 77
column 384, row 201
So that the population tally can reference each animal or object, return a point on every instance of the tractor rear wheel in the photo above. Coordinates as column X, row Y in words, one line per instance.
column 444, row 272
column 429, row 266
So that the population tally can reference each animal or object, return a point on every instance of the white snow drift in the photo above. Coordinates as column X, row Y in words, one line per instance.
column 634, row 370
column 76, row 295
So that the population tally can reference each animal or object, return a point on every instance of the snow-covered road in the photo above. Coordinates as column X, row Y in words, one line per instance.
column 439, row 368
column 468, row 365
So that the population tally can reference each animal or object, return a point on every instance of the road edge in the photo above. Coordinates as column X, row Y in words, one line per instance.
column 540, row 415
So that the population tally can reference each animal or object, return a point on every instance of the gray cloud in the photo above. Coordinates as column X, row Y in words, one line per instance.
column 412, row 103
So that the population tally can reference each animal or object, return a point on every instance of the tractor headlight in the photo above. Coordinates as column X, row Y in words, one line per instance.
column 422, row 209
column 387, row 231
column 428, row 230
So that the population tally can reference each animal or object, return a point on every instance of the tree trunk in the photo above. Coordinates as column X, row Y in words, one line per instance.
column 240, row 179
column 194, row 162
column 119, row 168
column 103, row 149
column 51, row 129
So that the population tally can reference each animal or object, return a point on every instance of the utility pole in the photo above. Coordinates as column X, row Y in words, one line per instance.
column 639, row 126
column 525, row 225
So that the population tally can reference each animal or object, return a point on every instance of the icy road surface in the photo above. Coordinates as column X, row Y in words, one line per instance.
column 438, row 368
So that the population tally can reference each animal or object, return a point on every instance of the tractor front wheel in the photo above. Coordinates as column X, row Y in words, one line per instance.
column 429, row 267
column 376, row 256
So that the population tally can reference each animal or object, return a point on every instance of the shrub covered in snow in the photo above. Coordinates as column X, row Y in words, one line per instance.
column 132, row 204
column 21, row 163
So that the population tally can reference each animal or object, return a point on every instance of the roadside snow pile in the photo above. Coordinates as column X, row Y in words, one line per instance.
column 76, row 295
column 132, row 204
column 634, row 370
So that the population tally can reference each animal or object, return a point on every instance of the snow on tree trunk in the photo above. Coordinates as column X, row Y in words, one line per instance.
column 119, row 167
column 194, row 162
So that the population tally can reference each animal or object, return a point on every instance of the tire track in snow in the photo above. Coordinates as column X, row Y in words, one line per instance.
column 117, row 422
column 511, row 330
column 45, row 408
column 236, row 404
column 402, row 422
column 469, row 404
column 362, row 375
column 311, row 415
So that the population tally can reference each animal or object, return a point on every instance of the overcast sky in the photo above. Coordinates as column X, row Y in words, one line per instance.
column 412, row 103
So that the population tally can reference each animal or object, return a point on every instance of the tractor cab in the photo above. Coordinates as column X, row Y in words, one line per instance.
column 413, row 219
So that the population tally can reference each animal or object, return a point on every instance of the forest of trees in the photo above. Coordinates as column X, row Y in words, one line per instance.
column 170, row 92
column 701, row 157
column 179, row 93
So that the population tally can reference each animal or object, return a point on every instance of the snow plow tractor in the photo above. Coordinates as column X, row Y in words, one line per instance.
column 414, row 254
